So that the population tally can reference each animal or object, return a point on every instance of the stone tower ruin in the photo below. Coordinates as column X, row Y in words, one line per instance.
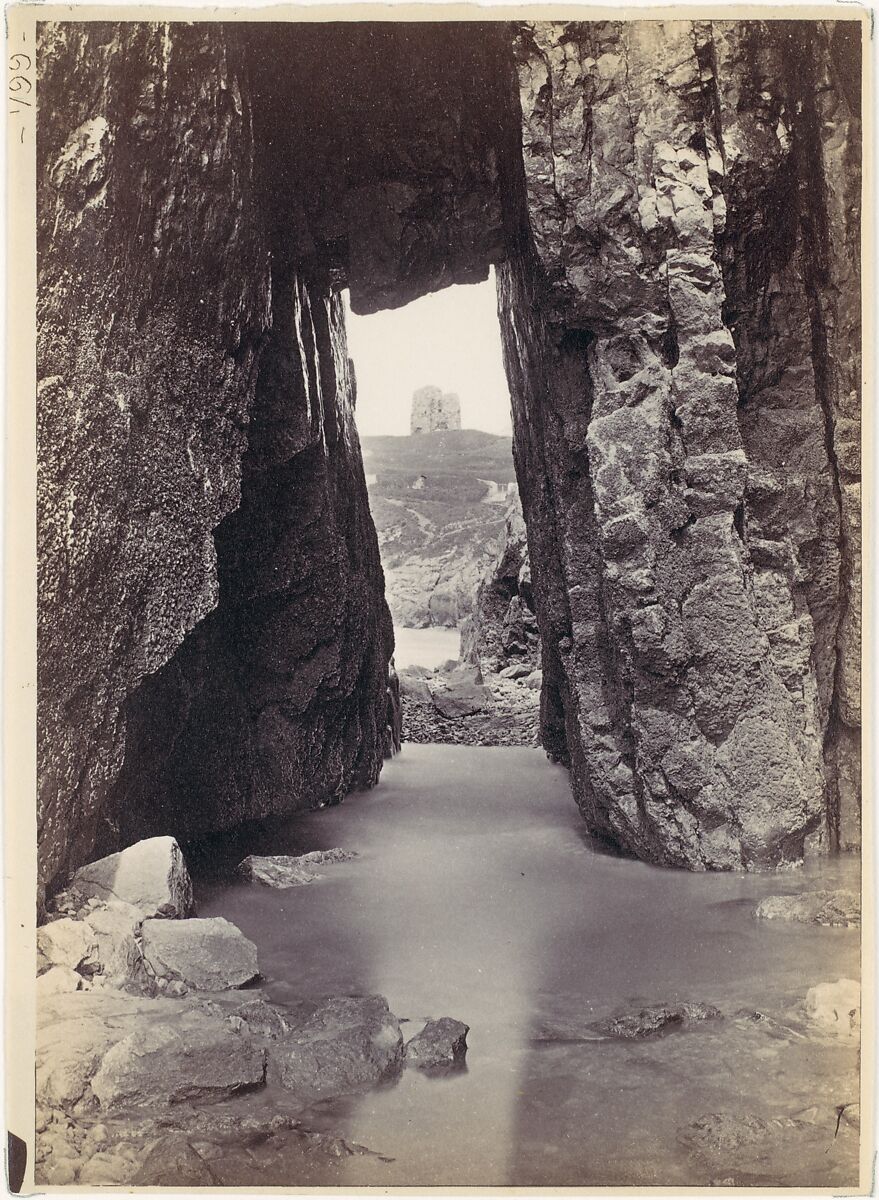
column 433, row 410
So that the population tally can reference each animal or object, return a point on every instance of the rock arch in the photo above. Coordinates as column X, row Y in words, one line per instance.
column 678, row 289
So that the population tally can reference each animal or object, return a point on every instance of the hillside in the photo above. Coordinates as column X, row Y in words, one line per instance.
column 438, row 502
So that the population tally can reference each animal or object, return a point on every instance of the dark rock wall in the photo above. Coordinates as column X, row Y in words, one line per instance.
column 208, row 570
column 153, row 296
column 681, row 426
column 384, row 142
column 279, row 699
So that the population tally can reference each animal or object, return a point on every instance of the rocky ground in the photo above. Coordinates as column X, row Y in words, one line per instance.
column 155, row 1068
column 456, row 705
column 160, row 1062
column 492, row 696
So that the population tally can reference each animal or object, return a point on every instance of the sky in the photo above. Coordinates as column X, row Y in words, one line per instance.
column 450, row 339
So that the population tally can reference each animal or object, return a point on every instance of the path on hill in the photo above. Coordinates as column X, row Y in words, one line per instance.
column 477, row 895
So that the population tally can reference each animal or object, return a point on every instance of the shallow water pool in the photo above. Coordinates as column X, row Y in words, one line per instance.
column 476, row 894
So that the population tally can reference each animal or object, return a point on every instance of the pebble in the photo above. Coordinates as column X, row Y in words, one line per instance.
column 98, row 1135
column 422, row 723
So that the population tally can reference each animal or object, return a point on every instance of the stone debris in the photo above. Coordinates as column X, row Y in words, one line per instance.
column 441, row 1045
column 207, row 953
column 287, row 871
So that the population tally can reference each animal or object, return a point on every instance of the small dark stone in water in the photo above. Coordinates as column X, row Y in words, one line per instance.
column 647, row 1022
column 441, row 1045
column 655, row 1019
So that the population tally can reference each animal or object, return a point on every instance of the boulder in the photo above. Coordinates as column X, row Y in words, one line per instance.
column 151, row 875
column 413, row 684
column 57, row 980
column 534, row 680
column 208, row 953
column 65, row 943
column 459, row 693
column 515, row 671
column 74, row 1031
column 836, row 1007
column 115, row 927
column 174, row 1163
column 286, row 871
column 199, row 1058
column 841, row 907
column 441, row 1045
column 348, row 1045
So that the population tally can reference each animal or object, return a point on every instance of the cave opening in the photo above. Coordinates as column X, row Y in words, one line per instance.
column 239, row 601
column 432, row 409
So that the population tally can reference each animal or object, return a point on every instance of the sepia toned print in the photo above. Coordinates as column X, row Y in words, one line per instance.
column 588, row 684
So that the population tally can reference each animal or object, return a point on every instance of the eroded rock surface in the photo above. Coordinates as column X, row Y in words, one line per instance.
column 684, row 436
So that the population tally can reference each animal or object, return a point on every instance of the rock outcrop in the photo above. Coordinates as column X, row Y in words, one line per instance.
column 685, row 425
column 213, row 638
column 677, row 258
column 502, row 631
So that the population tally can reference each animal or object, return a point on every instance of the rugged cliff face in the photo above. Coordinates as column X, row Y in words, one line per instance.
column 153, row 297
column 685, row 440
column 213, row 639
column 676, row 209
